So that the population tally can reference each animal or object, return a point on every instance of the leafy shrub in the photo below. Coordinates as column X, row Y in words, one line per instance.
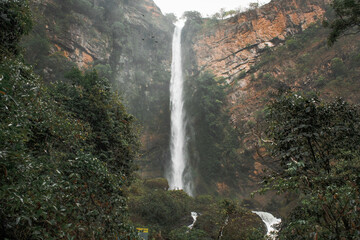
column 215, row 140
column 184, row 233
column 316, row 145
column 15, row 21
column 292, row 44
column 157, row 183
column 227, row 219
column 114, row 134
column 54, row 184
column 320, row 81
column 338, row 67
column 167, row 209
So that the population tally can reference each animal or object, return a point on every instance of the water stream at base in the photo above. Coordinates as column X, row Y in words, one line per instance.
column 178, row 124
column 269, row 221
column 194, row 215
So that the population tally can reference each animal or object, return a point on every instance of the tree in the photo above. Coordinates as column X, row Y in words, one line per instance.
column 222, row 13
column 15, row 21
column 61, row 175
column 193, row 16
column 54, row 184
column 171, row 17
column 227, row 220
column 253, row 5
column 113, row 133
column 347, row 19
column 215, row 139
column 316, row 146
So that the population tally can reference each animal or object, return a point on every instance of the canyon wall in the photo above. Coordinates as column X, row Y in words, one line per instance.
column 234, row 44
column 128, row 42
column 84, row 34
column 231, row 49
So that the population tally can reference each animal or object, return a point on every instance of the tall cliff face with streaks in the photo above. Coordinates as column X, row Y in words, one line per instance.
column 233, row 50
column 128, row 42
column 281, row 45
column 84, row 31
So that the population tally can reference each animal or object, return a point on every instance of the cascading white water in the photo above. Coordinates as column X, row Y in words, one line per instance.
column 269, row 221
column 194, row 215
column 178, row 123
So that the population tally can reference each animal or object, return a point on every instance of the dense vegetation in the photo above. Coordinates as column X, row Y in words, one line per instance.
column 167, row 214
column 66, row 152
column 316, row 146
column 214, row 142
column 347, row 20
column 312, row 143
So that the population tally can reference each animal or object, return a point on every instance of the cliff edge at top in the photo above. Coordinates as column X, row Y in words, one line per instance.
column 234, row 44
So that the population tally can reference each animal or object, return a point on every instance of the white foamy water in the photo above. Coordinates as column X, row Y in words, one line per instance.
column 178, row 123
column 269, row 221
column 194, row 215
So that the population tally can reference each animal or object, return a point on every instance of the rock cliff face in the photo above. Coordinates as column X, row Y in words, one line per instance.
column 230, row 49
column 128, row 42
column 83, row 40
column 234, row 44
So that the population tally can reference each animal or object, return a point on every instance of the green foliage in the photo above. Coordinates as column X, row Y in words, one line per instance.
column 253, row 5
column 171, row 17
column 184, row 233
column 15, row 21
column 338, row 67
column 113, row 133
column 347, row 19
column 53, row 184
column 194, row 22
column 241, row 75
column 193, row 16
column 292, row 44
column 215, row 140
column 163, row 208
column 118, row 28
column 157, row 183
column 210, row 24
column 39, row 44
column 104, row 70
column 227, row 219
column 316, row 145
column 157, row 208
column 85, row 7
column 268, row 79
column 320, row 81
column 167, row 214
column 61, row 177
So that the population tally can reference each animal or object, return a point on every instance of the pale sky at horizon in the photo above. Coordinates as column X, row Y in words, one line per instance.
column 205, row 7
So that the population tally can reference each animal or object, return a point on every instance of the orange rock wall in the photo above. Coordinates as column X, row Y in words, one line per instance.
column 235, row 43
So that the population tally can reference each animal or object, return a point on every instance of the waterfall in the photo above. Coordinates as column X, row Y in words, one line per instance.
column 194, row 215
column 269, row 221
column 177, row 175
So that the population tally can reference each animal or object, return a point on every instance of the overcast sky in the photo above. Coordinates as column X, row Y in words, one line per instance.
column 205, row 7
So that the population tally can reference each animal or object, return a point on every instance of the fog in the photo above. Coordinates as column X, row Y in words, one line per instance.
column 205, row 7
